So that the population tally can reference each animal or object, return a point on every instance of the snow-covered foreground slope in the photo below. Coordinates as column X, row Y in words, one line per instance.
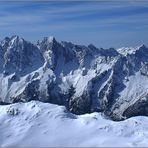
column 43, row 124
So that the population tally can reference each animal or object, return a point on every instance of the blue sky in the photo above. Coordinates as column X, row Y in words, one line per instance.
column 105, row 24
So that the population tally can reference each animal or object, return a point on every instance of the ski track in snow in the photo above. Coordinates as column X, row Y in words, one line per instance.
column 43, row 124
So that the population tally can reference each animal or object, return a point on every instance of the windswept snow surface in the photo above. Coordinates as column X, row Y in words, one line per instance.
column 43, row 124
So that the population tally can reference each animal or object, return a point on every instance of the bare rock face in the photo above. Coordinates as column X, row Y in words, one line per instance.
column 83, row 78
column 20, row 56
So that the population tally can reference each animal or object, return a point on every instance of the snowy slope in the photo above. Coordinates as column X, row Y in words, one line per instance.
column 44, row 124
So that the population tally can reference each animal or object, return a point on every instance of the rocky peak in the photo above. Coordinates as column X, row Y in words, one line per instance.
column 48, row 43
column 20, row 55
column 5, row 43
column 143, row 49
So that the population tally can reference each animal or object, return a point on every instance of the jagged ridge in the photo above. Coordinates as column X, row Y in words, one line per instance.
column 83, row 78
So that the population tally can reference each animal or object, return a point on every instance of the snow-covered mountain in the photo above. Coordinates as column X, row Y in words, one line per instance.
column 83, row 78
column 36, row 124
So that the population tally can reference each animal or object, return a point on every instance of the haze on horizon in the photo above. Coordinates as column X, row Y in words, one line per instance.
column 104, row 24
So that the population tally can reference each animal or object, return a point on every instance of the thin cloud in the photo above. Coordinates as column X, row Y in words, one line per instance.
column 79, row 18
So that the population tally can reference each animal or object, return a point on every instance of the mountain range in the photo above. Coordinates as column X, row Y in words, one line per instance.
column 84, row 79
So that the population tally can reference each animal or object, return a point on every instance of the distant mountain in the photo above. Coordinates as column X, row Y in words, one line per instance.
column 83, row 78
